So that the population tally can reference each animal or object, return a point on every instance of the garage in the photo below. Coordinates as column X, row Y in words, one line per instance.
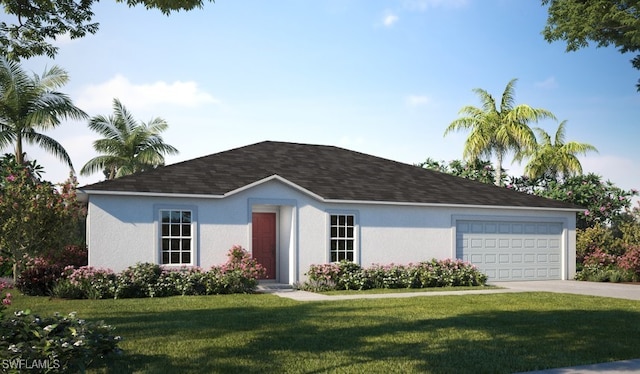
column 511, row 251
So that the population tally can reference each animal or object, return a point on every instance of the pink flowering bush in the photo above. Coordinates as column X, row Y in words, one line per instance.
column 239, row 274
column 630, row 261
column 85, row 282
column 435, row 273
column 6, row 301
column 41, row 273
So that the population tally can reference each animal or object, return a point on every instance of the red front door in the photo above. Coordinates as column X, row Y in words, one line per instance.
column 264, row 242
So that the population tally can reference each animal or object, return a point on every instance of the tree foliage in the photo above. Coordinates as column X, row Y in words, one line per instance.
column 128, row 146
column 30, row 105
column 35, row 217
column 38, row 22
column 477, row 170
column 497, row 128
column 604, row 203
column 605, row 22
column 555, row 158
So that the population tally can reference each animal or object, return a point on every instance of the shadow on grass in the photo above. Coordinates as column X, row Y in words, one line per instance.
column 374, row 336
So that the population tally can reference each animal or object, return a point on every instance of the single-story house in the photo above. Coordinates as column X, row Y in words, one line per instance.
column 294, row 205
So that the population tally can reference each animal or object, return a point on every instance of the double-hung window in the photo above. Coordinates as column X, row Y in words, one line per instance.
column 342, row 237
column 176, row 237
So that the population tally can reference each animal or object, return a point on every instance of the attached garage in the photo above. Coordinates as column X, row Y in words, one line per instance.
column 512, row 251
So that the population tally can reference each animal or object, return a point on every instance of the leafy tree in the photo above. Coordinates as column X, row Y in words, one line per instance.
column 29, row 104
column 38, row 22
column 604, row 203
column 497, row 128
column 605, row 22
column 477, row 170
column 35, row 217
column 555, row 159
column 128, row 146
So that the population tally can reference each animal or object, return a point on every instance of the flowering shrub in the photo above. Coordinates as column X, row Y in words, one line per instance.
column 434, row 273
column 85, row 282
column 62, row 344
column 630, row 261
column 239, row 274
column 599, row 258
column 139, row 280
column 7, row 297
column 43, row 272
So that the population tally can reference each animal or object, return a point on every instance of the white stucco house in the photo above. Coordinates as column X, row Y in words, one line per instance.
column 293, row 205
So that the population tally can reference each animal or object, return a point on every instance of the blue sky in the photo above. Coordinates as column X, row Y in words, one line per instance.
column 379, row 77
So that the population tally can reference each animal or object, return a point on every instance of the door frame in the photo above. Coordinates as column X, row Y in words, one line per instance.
column 268, row 209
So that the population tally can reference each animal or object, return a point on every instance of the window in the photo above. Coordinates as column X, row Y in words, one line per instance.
column 176, row 237
column 342, row 237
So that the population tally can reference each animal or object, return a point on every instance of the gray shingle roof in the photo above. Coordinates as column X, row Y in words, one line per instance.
column 331, row 172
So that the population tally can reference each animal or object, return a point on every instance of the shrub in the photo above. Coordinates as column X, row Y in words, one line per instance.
column 39, row 278
column 630, row 261
column 434, row 273
column 59, row 343
column 138, row 280
column 238, row 275
column 42, row 273
column 85, row 282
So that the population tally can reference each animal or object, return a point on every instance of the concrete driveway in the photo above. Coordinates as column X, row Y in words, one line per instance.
column 616, row 290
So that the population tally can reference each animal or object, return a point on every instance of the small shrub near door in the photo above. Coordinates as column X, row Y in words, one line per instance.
column 435, row 273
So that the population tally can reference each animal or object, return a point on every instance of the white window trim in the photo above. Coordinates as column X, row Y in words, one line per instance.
column 356, row 233
column 195, row 245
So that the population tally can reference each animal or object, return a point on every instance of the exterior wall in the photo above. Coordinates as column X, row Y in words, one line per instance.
column 123, row 230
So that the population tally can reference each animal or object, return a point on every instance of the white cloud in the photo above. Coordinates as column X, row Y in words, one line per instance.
column 178, row 93
column 548, row 83
column 417, row 100
column 423, row 5
column 389, row 19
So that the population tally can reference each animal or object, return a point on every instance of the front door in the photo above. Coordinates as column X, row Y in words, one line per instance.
column 264, row 242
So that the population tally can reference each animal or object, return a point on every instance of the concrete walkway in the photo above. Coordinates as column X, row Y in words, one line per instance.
column 614, row 290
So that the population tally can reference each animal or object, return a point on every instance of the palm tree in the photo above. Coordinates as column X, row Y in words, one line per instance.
column 29, row 104
column 555, row 159
column 497, row 130
column 127, row 147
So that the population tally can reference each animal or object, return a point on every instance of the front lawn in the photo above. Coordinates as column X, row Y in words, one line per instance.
column 493, row 333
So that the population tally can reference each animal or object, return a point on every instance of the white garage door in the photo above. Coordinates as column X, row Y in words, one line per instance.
column 511, row 251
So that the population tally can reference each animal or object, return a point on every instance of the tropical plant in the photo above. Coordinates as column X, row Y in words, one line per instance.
column 128, row 146
column 497, row 128
column 557, row 158
column 31, row 104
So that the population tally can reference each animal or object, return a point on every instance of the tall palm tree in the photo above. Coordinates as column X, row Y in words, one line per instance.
column 555, row 159
column 497, row 130
column 128, row 146
column 30, row 104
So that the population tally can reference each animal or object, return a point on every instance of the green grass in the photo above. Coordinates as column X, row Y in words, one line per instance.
column 491, row 333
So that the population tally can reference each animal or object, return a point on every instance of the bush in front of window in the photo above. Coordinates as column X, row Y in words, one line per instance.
column 434, row 273
column 239, row 274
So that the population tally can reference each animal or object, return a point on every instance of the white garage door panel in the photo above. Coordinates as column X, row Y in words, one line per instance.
column 511, row 251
